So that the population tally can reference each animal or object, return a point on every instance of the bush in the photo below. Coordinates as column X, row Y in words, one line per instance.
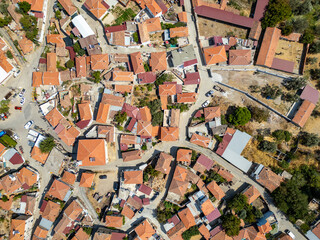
column 4, row 106
column 241, row 116
column 47, row 145
column 193, row 231
column 24, row 7
column 312, row 60
column 309, row 139
column 4, row 198
column 300, row 24
column 174, row 41
column 96, row 76
column 315, row 74
column 294, row 83
column 290, row 97
column 286, row 30
column 163, row 78
column 258, row 114
column 120, row 117
column 315, row 47
column 231, row 224
column 281, row 135
column 276, row 11
column 307, row 37
column 271, row 92
column 9, row 54
column 144, row 147
column 70, row 64
column 267, row 146
column 135, row 37
column 146, row 67
column 58, row 15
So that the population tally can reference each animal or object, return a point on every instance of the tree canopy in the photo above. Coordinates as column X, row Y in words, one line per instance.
column 231, row 224
column 277, row 11
column 47, row 145
column 267, row 146
column 281, row 135
column 309, row 139
column 259, row 114
column 24, row 7
column 241, row 116
column 120, row 117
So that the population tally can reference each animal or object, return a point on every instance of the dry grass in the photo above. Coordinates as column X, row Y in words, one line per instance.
column 210, row 28
column 141, row 92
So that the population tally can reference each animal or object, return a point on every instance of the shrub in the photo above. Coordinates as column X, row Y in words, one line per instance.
column 267, row 146
column 9, row 54
column 135, row 37
column 96, row 76
column 308, row 36
column 294, row 83
column 24, row 7
column 240, row 116
column 47, row 145
column 271, row 92
column 231, row 224
column 70, row 64
column 193, row 231
column 58, row 14
column 120, row 117
column 259, row 114
column 309, row 139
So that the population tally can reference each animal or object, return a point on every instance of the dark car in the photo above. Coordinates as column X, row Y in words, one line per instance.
column 141, row 209
column 116, row 186
column 103, row 176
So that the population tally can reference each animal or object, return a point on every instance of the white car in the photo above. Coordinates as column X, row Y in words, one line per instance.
column 205, row 104
column 21, row 94
column 16, row 136
column 22, row 101
column 288, row 232
column 28, row 124
column 17, row 73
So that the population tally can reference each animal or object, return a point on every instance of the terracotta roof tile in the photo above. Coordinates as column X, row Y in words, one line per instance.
column 152, row 5
column 81, row 67
column 73, row 210
column 211, row 112
column 127, row 211
column 51, row 78
column 99, row 61
column 252, row 194
column 68, row 136
column 179, row 32
column 200, row 140
column 113, row 221
column 145, row 114
column 36, row 5
column 58, row 190
column 215, row 54
column 187, row 97
column 187, row 218
column 168, row 89
column 112, row 100
column 103, row 113
column 56, row 39
column 123, row 88
column 133, row 177
column 91, row 152
column 96, row 7
column 131, row 155
column 143, row 33
column 216, row 191
column 153, row 25
column 204, row 231
column 183, row 17
column 68, row 6
column 119, row 76
column 175, row 233
column 207, row 207
column 184, row 155
column 137, row 63
column 269, row 179
column 164, row 163
column 40, row 233
column 268, row 46
column 54, row 117
column 303, row 113
column 51, row 62
column 86, row 179
column 17, row 229
column 36, row 154
column 144, row 129
column 26, row 45
column 239, row 57
column 144, row 230
column 169, row 134
column 158, row 61
column 68, row 177
column 85, row 111
column 50, row 211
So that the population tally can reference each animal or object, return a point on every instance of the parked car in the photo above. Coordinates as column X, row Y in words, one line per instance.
column 17, row 108
column 205, row 104
column 209, row 94
column 290, row 233
column 16, row 136
column 22, row 92
column 116, row 186
column 28, row 124
column 141, row 210
column 17, row 73
column 2, row 133
column 21, row 149
column 103, row 176
column 22, row 101
column 8, row 95
column 155, row 196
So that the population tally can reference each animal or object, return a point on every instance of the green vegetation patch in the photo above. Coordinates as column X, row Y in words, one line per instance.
column 8, row 141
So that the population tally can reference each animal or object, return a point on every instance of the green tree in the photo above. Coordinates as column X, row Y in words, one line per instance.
column 70, row 64
column 96, row 75
column 315, row 46
column 300, row 24
column 312, row 60
column 290, row 97
column 77, row 48
column 5, row 21
column 166, row 77
column 193, row 231
column 120, row 117
column 241, row 116
column 271, row 92
column 47, row 145
column 267, row 146
column 4, row 106
column 174, row 41
column 135, row 37
column 24, row 7
column 231, row 224
column 309, row 139
column 308, row 36
column 9, row 54
column 276, row 11
column 315, row 73
column 286, row 30
column 258, row 114
column 28, row 22
column 294, row 83
column 58, row 15
column 238, row 203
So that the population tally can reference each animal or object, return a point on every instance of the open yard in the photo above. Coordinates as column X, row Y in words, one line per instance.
column 210, row 28
column 121, row 14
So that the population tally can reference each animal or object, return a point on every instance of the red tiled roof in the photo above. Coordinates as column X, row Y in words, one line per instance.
column 192, row 78
column 311, row 94
column 81, row 67
column 200, row 140
column 137, row 64
column 91, row 152
column 117, row 28
column 158, row 61
column 283, row 65
column 187, row 97
column 216, row 191
column 303, row 113
column 269, row 179
column 224, row 16
column 147, row 77
column 239, row 57
column 215, row 54
column 96, row 7
column 260, row 8
column 169, row 134
column 145, row 189
column 168, row 89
